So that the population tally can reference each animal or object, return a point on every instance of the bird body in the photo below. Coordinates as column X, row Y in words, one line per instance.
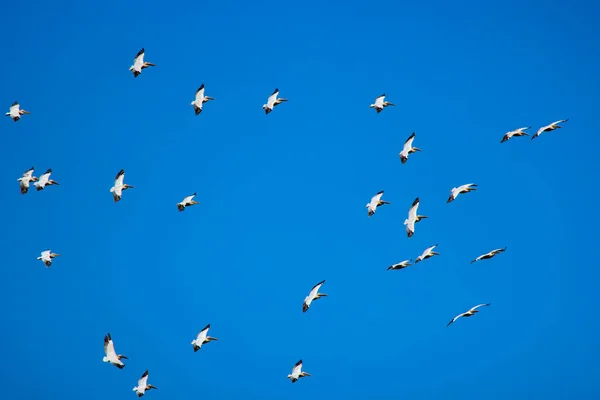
column 466, row 188
column 142, row 385
column 375, row 202
column 380, row 104
column 139, row 64
column 313, row 295
column 488, row 255
column 119, row 186
column 408, row 149
column 272, row 101
column 200, row 99
column 26, row 179
column 516, row 132
column 297, row 372
column 400, row 265
column 428, row 253
column 45, row 181
column 469, row 313
column 187, row 202
column 548, row 128
column 413, row 218
column 47, row 257
column 202, row 338
column 110, row 355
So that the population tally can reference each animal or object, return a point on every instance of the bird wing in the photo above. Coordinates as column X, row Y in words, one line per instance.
column 187, row 199
column 45, row 254
column 297, row 368
column 498, row 250
column 203, row 333
column 409, row 141
column 138, row 61
column 200, row 93
column 559, row 121
column 315, row 290
column 379, row 101
column 375, row 199
column 410, row 227
column 272, row 98
column 522, row 129
column 109, row 346
column 412, row 212
column 455, row 318
column 28, row 173
column 479, row 305
column 119, row 178
column 14, row 108
column 143, row 380
column 44, row 178
column 464, row 187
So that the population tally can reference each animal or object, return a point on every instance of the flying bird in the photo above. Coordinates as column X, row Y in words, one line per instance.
column 139, row 64
column 142, row 385
column 413, row 218
column 408, row 148
column 200, row 99
column 454, row 192
column 469, row 313
column 516, row 132
column 428, row 253
column 111, row 356
column 26, row 179
column 272, row 101
column 202, row 338
column 119, row 186
column 47, row 257
column 15, row 111
column 549, row 128
column 187, row 202
column 375, row 202
column 297, row 372
column 313, row 295
column 488, row 255
column 400, row 265
column 380, row 104
column 45, row 181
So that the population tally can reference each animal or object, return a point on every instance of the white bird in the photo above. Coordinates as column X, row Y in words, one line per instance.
column 15, row 111
column 400, row 265
column 549, row 128
column 297, row 372
column 119, row 186
column 47, row 257
column 375, row 202
column 516, row 132
column 142, row 385
column 202, row 338
column 408, row 148
column 272, row 101
column 26, row 179
column 111, row 356
column 139, row 64
column 413, row 218
column 313, row 295
column 428, row 253
column 200, row 99
column 380, row 104
column 45, row 180
column 187, row 202
column 466, row 188
column 488, row 255
column 469, row 313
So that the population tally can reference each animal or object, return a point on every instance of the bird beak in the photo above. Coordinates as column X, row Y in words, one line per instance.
column 25, row 112
column 56, row 255
column 209, row 98
column 122, row 356
column 283, row 99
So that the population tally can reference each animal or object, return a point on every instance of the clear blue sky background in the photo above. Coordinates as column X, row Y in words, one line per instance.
column 282, row 199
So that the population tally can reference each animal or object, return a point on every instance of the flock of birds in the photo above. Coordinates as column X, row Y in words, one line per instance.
column 111, row 356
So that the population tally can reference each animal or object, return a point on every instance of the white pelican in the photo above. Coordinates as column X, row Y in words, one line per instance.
column 15, row 111
column 375, row 202
column 469, row 313
column 187, row 202
column 549, row 128
column 516, row 132
column 45, row 180
column 413, row 218
column 313, row 295
column 142, row 385
column 117, row 189
column 400, row 265
column 139, row 64
column 466, row 188
column 26, row 179
column 202, row 338
column 47, row 257
column 200, row 99
column 488, row 255
column 272, row 101
column 297, row 372
column 380, row 104
column 428, row 253
column 408, row 148
column 111, row 356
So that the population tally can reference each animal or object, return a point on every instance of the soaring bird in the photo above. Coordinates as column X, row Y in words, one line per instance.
column 428, row 253
column 202, row 338
column 380, row 104
column 45, row 180
column 111, row 356
column 488, row 255
column 400, row 265
column 139, row 64
column 297, row 372
column 142, row 385
column 454, row 192
column 187, row 202
column 313, row 295
column 200, row 99
column 119, row 186
column 516, row 132
column 408, row 148
column 549, row 128
column 413, row 218
column 469, row 313
column 15, row 111
column 272, row 101
column 47, row 257
column 26, row 179
column 375, row 202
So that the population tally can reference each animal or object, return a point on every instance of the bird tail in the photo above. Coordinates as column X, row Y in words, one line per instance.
column 104, row 359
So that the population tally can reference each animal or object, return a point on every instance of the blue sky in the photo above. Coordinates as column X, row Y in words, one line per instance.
column 282, row 200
